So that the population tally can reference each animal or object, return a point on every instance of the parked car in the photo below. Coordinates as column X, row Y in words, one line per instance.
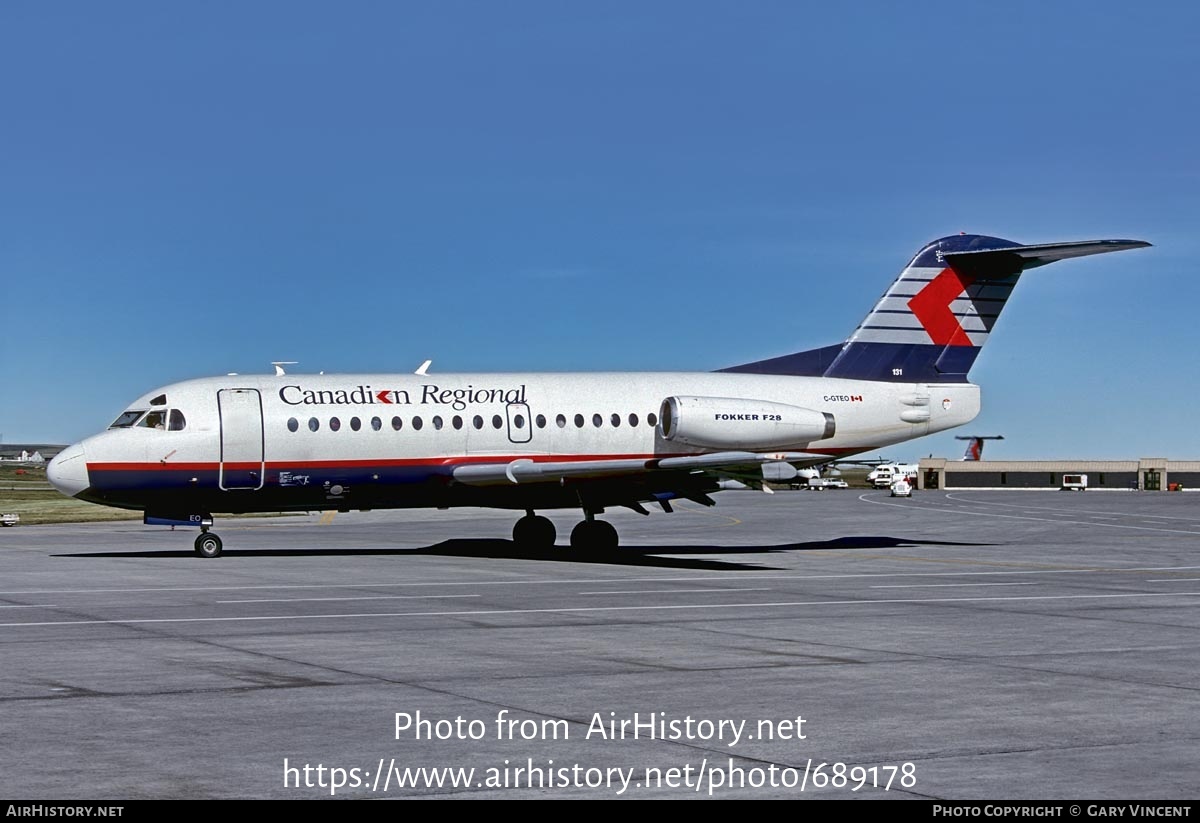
column 901, row 488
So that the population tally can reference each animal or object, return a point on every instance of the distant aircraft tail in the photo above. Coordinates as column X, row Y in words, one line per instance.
column 932, row 321
column 974, row 449
column 975, row 444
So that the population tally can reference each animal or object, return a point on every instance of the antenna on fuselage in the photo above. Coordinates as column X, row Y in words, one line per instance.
column 424, row 367
column 279, row 364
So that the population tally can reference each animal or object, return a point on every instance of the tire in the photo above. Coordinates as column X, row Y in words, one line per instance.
column 595, row 535
column 208, row 545
column 534, row 532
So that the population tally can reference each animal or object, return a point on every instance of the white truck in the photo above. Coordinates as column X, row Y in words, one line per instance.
column 1074, row 483
column 9, row 519
column 882, row 477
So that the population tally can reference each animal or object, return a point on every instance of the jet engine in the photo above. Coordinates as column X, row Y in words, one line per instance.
column 737, row 423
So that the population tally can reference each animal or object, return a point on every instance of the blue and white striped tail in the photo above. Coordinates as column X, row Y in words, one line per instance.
column 932, row 321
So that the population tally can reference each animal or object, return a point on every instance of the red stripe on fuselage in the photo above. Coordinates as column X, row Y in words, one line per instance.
column 455, row 460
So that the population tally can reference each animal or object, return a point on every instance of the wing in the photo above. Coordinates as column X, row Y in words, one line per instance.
column 631, row 481
column 526, row 470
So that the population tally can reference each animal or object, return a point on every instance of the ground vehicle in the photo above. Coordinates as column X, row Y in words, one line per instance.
column 884, row 476
column 901, row 488
column 836, row 483
column 9, row 519
column 1074, row 482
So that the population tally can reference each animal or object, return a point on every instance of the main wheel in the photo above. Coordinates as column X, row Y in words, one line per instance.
column 208, row 545
column 534, row 532
column 594, row 534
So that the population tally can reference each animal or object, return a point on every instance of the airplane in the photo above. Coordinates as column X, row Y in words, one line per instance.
column 528, row 441
column 975, row 444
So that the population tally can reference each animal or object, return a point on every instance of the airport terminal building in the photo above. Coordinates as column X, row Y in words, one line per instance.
column 1146, row 474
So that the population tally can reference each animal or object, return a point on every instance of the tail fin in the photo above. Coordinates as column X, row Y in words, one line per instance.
column 931, row 323
column 975, row 444
column 974, row 449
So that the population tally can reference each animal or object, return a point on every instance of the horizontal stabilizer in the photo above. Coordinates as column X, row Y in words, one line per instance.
column 1030, row 257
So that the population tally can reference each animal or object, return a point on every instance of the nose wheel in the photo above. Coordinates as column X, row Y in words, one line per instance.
column 208, row 545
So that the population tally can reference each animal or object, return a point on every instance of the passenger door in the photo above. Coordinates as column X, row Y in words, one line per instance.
column 241, row 439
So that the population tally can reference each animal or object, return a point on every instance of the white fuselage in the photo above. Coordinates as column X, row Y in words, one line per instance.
column 371, row 437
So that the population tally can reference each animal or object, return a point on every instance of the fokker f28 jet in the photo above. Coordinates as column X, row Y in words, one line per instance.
column 546, row 441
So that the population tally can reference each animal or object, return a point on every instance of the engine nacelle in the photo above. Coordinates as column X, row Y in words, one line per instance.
column 744, row 425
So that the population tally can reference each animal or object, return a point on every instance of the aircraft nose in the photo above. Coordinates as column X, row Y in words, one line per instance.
column 68, row 471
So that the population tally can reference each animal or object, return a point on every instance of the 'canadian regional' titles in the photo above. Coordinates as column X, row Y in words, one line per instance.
column 429, row 395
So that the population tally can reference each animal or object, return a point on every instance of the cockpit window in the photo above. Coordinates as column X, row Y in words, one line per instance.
column 156, row 419
column 177, row 423
column 127, row 419
column 161, row 400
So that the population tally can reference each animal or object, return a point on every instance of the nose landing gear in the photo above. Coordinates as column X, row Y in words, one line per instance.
column 208, row 544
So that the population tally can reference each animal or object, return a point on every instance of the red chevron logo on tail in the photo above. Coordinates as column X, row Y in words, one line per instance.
column 931, row 305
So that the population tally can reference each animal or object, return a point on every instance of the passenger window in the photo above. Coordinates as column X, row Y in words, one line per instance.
column 293, row 424
column 334, row 424
column 519, row 421
column 376, row 423
column 397, row 423
column 633, row 420
column 616, row 420
column 579, row 421
column 652, row 419
column 597, row 420
column 541, row 421
column 497, row 421
column 417, row 423
column 313, row 424
column 437, row 422
column 560, row 421
column 177, row 423
column 456, row 422
column 355, row 423
column 477, row 422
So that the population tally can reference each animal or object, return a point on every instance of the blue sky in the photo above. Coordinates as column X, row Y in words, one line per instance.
column 194, row 189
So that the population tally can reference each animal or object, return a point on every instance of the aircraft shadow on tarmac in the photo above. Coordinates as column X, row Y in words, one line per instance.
column 648, row 556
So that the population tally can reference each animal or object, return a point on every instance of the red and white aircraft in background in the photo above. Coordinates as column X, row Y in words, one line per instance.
column 544, row 441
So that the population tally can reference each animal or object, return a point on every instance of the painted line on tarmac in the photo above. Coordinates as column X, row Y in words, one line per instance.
column 678, row 591
column 915, row 505
column 365, row 597
column 600, row 609
column 601, row 581
column 945, row 585
column 1099, row 514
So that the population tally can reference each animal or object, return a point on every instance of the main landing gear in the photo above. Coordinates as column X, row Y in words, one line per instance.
column 208, row 544
column 536, row 532
column 597, row 535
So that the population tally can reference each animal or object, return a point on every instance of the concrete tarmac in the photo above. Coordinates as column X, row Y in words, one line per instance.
column 841, row 644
